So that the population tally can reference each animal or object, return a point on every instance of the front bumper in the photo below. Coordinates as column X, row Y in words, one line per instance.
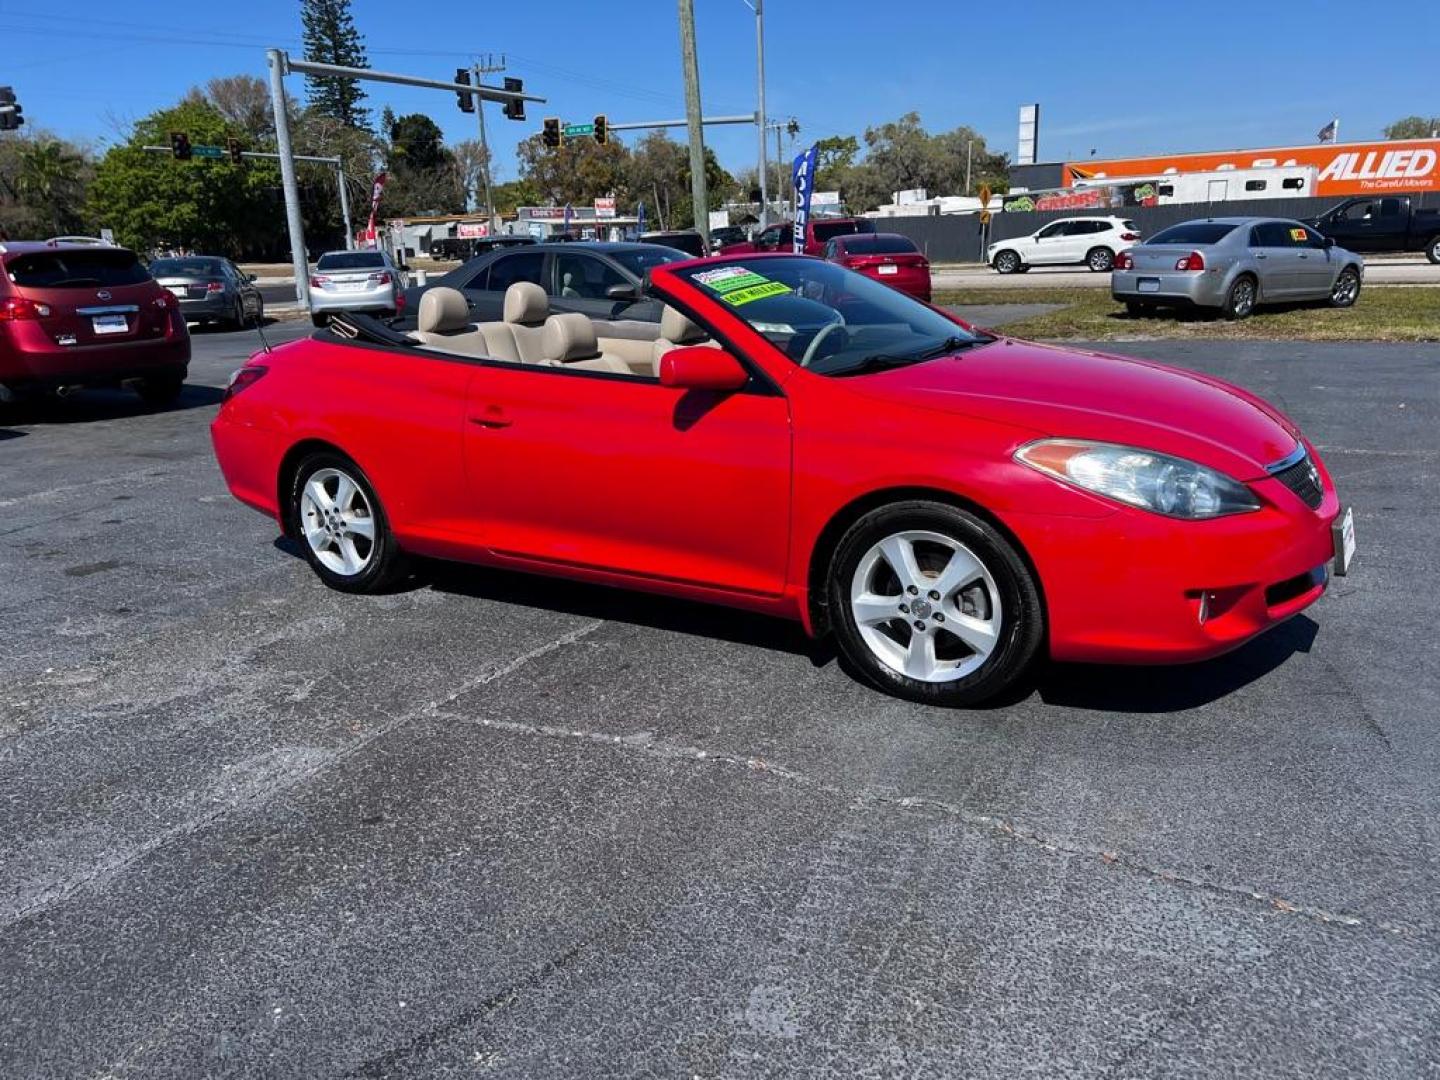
column 1135, row 587
column 1203, row 289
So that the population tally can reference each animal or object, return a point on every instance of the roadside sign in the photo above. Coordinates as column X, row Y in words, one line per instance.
column 208, row 151
column 984, row 217
column 605, row 208
column 575, row 131
column 984, row 196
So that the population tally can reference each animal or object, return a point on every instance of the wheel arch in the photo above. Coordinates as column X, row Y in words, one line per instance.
column 817, row 612
column 290, row 465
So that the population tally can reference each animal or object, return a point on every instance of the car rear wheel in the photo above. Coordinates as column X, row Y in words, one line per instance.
column 161, row 391
column 1007, row 262
column 1347, row 288
column 341, row 526
column 1240, row 300
column 1101, row 260
column 931, row 603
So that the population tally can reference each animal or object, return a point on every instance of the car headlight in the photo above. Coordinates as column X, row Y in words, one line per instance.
column 1145, row 478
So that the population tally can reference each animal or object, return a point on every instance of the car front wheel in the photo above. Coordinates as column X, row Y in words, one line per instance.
column 932, row 603
column 341, row 526
column 1433, row 251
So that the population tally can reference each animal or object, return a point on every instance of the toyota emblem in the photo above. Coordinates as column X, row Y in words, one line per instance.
column 102, row 295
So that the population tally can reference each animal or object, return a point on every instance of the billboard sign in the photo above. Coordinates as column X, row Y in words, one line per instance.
column 605, row 208
column 1397, row 165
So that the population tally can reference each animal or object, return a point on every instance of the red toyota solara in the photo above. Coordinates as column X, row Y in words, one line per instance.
column 797, row 439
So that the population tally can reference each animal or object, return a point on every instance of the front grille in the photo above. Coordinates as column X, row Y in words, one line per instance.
column 1301, row 477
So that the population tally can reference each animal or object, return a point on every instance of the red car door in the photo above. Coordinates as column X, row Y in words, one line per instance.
column 627, row 475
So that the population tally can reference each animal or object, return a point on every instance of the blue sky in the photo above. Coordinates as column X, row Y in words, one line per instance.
column 1160, row 78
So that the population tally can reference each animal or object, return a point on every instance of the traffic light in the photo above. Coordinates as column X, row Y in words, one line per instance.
column 551, row 134
column 11, row 113
column 514, row 107
column 602, row 129
column 237, row 154
column 467, row 101
column 180, row 146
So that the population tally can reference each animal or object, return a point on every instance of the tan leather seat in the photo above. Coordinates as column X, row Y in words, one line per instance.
column 444, row 322
column 569, row 340
column 676, row 331
column 526, row 309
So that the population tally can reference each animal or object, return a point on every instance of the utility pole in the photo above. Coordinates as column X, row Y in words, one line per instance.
column 692, row 115
column 298, row 259
column 486, row 66
column 759, row 8
column 969, row 145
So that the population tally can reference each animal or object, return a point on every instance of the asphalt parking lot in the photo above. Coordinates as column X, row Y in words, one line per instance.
column 499, row 826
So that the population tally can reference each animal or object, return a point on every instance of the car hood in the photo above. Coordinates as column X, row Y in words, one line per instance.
column 1078, row 394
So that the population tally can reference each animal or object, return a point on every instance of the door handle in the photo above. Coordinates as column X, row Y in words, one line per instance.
column 493, row 417
column 1262, row 256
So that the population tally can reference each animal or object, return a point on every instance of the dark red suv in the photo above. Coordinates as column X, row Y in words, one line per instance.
column 77, row 315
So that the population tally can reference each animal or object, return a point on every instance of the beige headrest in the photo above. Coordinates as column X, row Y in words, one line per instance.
column 677, row 329
column 568, row 338
column 526, row 303
column 443, row 311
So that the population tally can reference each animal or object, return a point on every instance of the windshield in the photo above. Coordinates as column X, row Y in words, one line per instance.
column 829, row 319
column 185, row 268
column 638, row 260
column 1194, row 232
column 350, row 260
column 77, row 269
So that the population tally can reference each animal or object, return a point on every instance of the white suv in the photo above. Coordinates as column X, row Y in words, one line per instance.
column 1084, row 241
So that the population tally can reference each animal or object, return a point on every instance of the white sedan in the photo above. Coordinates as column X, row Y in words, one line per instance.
column 1082, row 241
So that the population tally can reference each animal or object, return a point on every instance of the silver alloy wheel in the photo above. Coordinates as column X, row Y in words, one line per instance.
column 926, row 606
column 337, row 521
column 1347, row 288
column 1243, row 297
column 1101, row 259
column 1007, row 262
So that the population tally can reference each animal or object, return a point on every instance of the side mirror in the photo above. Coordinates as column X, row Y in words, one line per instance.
column 623, row 292
column 252, row 277
column 698, row 367
column 1329, row 242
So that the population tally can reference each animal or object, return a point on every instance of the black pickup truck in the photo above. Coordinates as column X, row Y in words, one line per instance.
column 1382, row 223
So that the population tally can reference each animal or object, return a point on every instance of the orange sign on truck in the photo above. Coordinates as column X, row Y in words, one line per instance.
column 1342, row 168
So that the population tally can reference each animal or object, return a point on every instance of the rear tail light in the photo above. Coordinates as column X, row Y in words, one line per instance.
column 1193, row 261
column 16, row 308
column 318, row 281
column 399, row 302
column 1123, row 261
column 1129, row 236
column 215, row 286
column 244, row 377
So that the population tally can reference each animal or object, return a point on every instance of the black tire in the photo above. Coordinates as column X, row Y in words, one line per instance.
column 1100, row 260
column 237, row 317
column 1433, row 251
column 1239, row 302
column 161, row 391
column 1347, row 288
column 385, row 564
column 1007, row 262
column 1022, row 626
column 1138, row 310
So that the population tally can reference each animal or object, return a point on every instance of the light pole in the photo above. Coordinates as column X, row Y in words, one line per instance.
column 759, row 8
column 693, row 116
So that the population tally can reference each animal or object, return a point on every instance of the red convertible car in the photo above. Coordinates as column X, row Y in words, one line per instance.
column 797, row 439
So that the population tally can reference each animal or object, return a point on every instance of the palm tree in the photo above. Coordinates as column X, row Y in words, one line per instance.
column 50, row 183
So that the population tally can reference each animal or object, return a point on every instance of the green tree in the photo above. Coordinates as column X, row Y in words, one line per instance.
column 834, row 158
column 513, row 194
column 576, row 172
column 1413, row 127
column 902, row 155
column 423, row 178
column 331, row 38
column 152, row 200
column 43, row 180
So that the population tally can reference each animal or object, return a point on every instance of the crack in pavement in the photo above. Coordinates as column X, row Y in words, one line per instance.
column 126, row 857
column 645, row 743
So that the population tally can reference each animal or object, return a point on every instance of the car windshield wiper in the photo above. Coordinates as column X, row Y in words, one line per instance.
column 877, row 361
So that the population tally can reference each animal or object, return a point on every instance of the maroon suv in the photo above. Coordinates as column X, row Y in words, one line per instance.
column 78, row 315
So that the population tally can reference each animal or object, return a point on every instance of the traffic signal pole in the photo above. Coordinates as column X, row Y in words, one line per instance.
column 296, row 227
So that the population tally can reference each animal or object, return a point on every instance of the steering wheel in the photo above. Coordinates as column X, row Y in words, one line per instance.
column 824, row 332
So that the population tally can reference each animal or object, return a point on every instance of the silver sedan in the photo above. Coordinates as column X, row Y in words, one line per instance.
column 1233, row 264
column 354, row 281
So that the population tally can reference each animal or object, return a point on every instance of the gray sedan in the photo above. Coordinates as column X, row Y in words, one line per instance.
column 1233, row 264
column 354, row 281
column 210, row 289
